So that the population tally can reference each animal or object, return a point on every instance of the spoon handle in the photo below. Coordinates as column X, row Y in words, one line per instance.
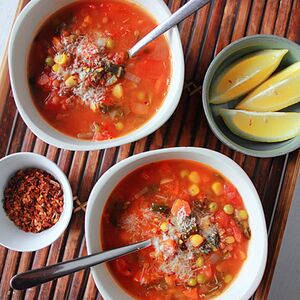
column 182, row 13
column 36, row 277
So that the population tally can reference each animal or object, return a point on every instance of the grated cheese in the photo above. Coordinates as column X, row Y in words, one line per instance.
column 86, row 54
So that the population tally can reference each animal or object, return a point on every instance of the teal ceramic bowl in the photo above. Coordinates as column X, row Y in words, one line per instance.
column 225, row 58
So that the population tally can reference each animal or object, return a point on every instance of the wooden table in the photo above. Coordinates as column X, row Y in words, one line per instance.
column 203, row 36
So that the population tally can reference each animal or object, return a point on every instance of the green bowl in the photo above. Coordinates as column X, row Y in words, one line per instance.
column 226, row 57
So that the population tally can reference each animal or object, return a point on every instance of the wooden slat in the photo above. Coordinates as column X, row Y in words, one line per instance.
column 203, row 36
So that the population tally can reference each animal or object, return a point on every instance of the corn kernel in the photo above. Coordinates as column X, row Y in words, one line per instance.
column 70, row 82
column 243, row 214
column 196, row 240
column 192, row 282
column 119, row 125
column 201, row 278
column 56, row 68
column 49, row 61
column 141, row 96
column 194, row 190
column 228, row 209
column 184, row 173
column 60, row 59
column 200, row 261
column 213, row 207
column 117, row 91
column 242, row 255
column 93, row 107
column 229, row 239
column 194, row 177
column 164, row 226
column 227, row 278
column 217, row 188
column 110, row 43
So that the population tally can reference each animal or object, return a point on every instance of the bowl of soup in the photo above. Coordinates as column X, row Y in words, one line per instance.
column 73, row 82
column 202, row 214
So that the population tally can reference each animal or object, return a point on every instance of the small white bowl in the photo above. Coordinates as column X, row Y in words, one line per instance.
column 13, row 237
column 251, row 273
column 26, row 27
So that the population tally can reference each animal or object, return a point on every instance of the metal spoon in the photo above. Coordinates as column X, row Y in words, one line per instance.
column 181, row 14
column 38, row 276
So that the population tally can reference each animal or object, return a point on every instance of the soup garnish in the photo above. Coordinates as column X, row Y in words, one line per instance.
column 79, row 75
column 196, row 220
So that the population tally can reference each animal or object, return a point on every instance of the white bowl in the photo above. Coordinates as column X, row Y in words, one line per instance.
column 251, row 273
column 13, row 237
column 26, row 27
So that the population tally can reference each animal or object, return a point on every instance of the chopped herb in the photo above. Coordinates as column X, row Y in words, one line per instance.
column 190, row 227
column 160, row 208
column 116, row 70
column 214, row 239
column 246, row 230
column 205, row 248
column 112, row 80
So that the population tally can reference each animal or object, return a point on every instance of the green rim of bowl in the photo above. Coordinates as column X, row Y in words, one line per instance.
column 252, row 43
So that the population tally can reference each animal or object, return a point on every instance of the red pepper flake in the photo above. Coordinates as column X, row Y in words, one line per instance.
column 33, row 200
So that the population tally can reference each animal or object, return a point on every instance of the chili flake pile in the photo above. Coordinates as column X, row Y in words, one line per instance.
column 33, row 200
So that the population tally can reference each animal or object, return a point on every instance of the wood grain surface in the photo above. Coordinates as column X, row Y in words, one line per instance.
column 203, row 36
column 8, row 16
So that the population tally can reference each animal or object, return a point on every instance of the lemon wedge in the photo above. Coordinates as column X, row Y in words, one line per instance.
column 262, row 126
column 278, row 92
column 245, row 74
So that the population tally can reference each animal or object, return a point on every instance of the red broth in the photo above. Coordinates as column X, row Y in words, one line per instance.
column 198, row 224
column 80, row 78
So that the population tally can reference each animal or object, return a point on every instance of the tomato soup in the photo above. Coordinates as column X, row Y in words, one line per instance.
column 196, row 220
column 81, row 79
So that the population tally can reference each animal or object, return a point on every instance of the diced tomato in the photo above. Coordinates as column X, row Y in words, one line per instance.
column 191, row 293
column 138, row 276
column 107, row 100
column 232, row 194
column 120, row 57
column 139, row 108
column 56, row 43
column 44, row 81
column 223, row 266
column 182, row 194
column 168, row 246
column 207, row 270
column 123, row 267
column 171, row 189
column 109, row 126
column 201, row 196
column 101, row 136
column 222, row 219
column 237, row 232
column 170, row 280
column 108, row 131
column 180, row 205
column 147, row 274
